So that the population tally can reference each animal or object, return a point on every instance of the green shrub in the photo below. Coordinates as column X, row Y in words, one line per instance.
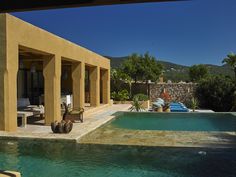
column 113, row 95
column 216, row 93
column 122, row 95
column 141, row 97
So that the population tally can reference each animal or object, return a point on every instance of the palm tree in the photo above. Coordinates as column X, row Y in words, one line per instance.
column 136, row 105
column 231, row 61
column 194, row 104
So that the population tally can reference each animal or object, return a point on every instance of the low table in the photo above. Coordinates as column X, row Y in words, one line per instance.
column 24, row 115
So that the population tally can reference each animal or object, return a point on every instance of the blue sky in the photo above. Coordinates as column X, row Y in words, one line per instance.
column 188, row 32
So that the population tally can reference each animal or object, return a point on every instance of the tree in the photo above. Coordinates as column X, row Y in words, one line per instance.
column 231, row 61
column 198, row 72
column 115, row 81
column 142, row 68
column 131, row 66
column 118, row 78
column 150, row 69
column 216, row 93
column 127, row 79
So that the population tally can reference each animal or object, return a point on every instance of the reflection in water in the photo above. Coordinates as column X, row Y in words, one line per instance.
column 202, row 153
column 46, row 159
column 10, row 156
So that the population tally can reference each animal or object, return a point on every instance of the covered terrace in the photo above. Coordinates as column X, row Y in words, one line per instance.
column 41, row 66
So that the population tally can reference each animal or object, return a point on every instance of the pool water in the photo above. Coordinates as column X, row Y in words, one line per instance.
column 176, row 121
column 38, row 159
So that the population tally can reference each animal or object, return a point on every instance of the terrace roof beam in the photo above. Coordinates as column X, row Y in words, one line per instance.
column 26, row 5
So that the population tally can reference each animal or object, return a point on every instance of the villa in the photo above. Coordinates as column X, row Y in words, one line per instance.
column 38, row 65
column 41, row 74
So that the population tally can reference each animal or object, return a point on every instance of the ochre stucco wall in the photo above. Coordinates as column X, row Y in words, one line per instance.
column 16, row 34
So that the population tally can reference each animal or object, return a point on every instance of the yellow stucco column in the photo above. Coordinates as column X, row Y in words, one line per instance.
column 52, row 88
column 8, row 79
column 78, row 87
column 105, row 77
column 94, row 77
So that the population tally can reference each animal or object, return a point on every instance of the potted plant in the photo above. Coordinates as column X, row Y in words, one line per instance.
column 194, row 104
column 166, row 107
column 167, row 98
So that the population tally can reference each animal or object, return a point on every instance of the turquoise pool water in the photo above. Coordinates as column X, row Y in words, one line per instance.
column 176, row 121
column 35, row 159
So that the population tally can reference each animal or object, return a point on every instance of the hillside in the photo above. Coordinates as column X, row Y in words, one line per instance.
column 116, row 61
column 177, row 72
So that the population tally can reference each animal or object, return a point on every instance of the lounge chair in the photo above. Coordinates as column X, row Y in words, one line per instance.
column 23, row 104
column 74, row 114
column 25, row 110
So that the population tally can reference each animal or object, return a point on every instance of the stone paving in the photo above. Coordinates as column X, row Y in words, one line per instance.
column 116, row 136
column 91, row 122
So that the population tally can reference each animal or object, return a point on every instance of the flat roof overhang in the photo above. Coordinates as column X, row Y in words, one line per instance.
column 28, row 5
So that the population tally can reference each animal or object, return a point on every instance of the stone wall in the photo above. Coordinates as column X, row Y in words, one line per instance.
column 180, row 92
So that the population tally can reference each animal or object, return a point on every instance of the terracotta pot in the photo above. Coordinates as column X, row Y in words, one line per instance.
column 167, row 110
column 160, row 109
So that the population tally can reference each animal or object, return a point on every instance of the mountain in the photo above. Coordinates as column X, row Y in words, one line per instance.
column 177, row 72
column 116, row 61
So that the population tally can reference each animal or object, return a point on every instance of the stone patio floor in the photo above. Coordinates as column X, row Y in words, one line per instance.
column 91, row 122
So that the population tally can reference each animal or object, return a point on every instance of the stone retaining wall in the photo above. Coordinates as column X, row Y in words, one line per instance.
column 180, row 92
column 145, row 104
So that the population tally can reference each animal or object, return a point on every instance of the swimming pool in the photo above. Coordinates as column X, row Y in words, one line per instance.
column 176, row 121
column 44, row 159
